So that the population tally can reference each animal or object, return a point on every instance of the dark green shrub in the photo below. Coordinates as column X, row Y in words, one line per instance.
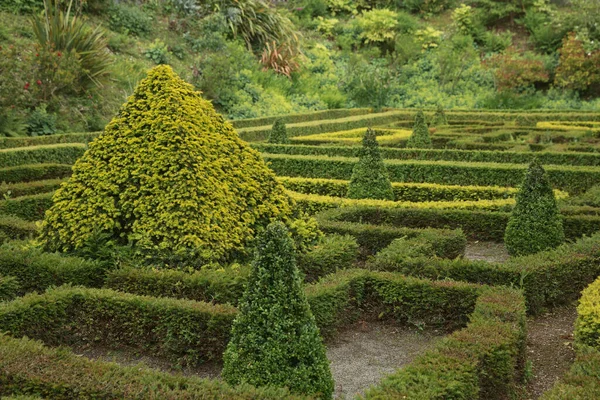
column 420, row 138
column 35, row 172
column 369, row 176
column 439, row 118
column 129, row 19
column 535, row 223
column 275, row 340
column 9, row 286
column 41, row 123
column 332, row 253
column 278, row 134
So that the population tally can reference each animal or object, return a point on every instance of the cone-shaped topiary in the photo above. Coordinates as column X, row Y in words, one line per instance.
column 369, row 177
column 420, row 136
column 535, row 224
column 278, row 133
column 167, row 175
column 439, row 118
column 275, row 340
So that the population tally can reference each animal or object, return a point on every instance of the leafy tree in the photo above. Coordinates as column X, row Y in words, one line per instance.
column 278, row 133
column 535, row 224
column 420, row 138
column 577, row 69
column 275, row 339
column 369, row 177
column 169, row 176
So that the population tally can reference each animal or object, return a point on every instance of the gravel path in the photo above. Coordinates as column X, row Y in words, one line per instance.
column 486, row 251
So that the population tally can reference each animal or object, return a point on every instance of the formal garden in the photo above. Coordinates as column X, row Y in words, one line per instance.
column 311, row 199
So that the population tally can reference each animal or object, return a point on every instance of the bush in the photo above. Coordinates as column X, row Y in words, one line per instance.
column 40, row 123
column 275, row 340
column 278, row 134
column 35, row 172
column 439, row 118
column 158, row 52
column 30, row 208
column 369, row 178
column 587, row 326
column 332, row 253
column 8, row 287
column 192, row 190
column 535, row 223
column 420, row 137
column 129, row 19
column 60, row 154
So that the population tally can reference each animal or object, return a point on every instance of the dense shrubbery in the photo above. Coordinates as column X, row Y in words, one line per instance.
column 535, row 224
column 420, row 135
column 278, row 134
column 369, row 178
column 208, row 206
column 274, row 339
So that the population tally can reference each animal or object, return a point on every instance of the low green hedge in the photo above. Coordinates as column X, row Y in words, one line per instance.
column 25, row 141
column 572, row 179
column 487, row 156
column 17, row 228
column 260, row 133
column 219, row 286
column 478, row 225
column 331, row 254
column 62, row 375
column 57, row 153
column 36, row 270
column 587, row 326
column 183, row 331
column 9, row 286
column 483, row 361
column 298, row 118
column 413, row 192
column 36, row 172
column 372, row 238
column 29, row 208
column 12, row 190
column 549, row 278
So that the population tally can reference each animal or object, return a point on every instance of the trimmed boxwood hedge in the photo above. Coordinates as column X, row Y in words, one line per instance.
column 29, row 208
column 35, row 172
column 12, row 190
column 573, row 179
column 17, row 228
column 62, row 375
column 9, row 287
column 14, row 142
column 57, row 153
column 302, row 117
column 487, row 156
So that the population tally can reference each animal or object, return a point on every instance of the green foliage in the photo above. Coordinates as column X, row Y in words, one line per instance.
column 60, row 31
column 40, row 122
column 190, row 189
column 158, row 52
column 278, row 133
column 8, row 287
column 370, row 84
column 427, row 6
column 420, row 138
column 535, row 224
column 439, row 118
column 463, row 20
column 275, row 340
column 330, row 254
column 577, row 69
column 369, row 178
column 29, row 173
column 129, row 19
column 378, row 25
column 587, row 326
column 492, row 12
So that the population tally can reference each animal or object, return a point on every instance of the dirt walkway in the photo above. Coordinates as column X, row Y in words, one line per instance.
column 486, row 251
column 549, row 348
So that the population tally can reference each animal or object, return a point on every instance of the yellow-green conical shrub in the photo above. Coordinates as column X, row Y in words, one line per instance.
column 167, row 175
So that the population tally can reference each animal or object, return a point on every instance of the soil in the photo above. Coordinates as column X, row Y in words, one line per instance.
column 360, row 356
column 486, row 251
column 549, row 348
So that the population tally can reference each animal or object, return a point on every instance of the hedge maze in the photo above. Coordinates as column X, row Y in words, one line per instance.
column 399, row 260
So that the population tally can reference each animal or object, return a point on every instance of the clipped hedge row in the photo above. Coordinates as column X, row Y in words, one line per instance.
column 410, row 192
column 483, row 361
column 58, row 153
column 260, row 133
column 373, row 238
column 303, row 117
column 12, row 190
column 25, row 141
column 333, row 253
column 182, row 331
column 479, row 225
column 35, row 172
column 572, row 179
column 36, row 270
column 487, row 156
column 62, row 375
column 9, row 286
column 17, row 228
column 29, row 208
